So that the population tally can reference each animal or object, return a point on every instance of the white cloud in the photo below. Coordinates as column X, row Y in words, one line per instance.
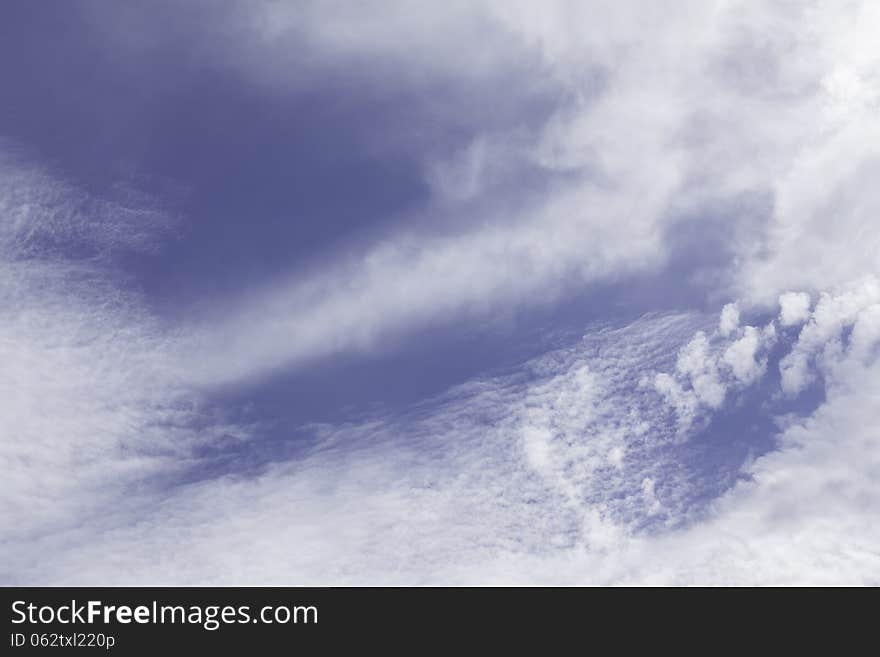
column 820, row 341
column 659, row 115
column 547, row 475
column 408, row 282
column 684, row 402
column 650, row 495
column 729, row 321
column 544, row 476
column 805, row 517
column 696, row 363
column 707, row 370
column 90, row 402
column 555, row 454
column 740, row 357
column 794, row 308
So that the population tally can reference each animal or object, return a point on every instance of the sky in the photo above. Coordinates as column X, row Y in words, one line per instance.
column 393, row 293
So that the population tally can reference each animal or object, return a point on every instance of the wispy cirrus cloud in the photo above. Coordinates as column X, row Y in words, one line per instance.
column 568, row 470
column 92, row 402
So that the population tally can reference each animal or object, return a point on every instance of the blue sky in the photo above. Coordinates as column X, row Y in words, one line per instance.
column 493, row 292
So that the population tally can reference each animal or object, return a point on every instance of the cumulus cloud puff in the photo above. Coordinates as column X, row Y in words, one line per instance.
column 820, row 343
column 794, row 308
